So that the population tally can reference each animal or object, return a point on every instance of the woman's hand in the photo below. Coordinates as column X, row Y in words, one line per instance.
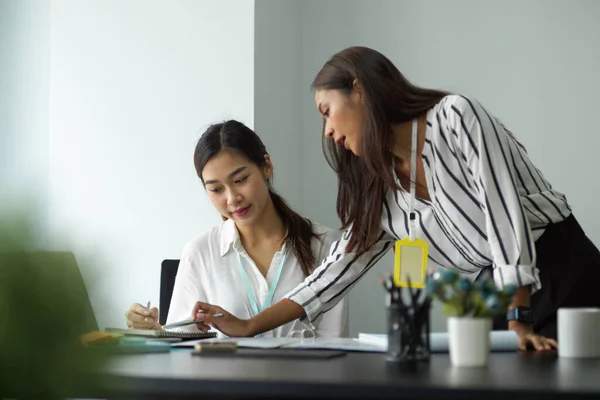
column 139, row 317
column 228, row 324
column 527, row 337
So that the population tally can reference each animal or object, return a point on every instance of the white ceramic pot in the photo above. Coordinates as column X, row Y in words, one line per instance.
column 469, row 341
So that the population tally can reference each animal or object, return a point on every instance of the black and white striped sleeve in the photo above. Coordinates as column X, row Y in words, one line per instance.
column 336, row 275
column 486, row 146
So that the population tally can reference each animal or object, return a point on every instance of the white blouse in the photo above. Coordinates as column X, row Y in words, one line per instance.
column 209, row 271
column 489, row 204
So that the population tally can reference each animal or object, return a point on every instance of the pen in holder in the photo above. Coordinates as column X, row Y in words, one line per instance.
column 408, row 324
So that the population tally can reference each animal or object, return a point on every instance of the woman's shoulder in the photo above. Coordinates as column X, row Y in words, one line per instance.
column 458, row 104
column 326, row 235
column 320, row 229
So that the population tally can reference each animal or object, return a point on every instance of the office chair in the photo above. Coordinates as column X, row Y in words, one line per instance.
column 168, row 272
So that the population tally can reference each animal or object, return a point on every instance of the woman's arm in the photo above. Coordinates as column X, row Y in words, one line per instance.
column 335, row 321
column 273, row 317
column 319, row 292
column 336, row 275
column 489, row 154
column 279, row 314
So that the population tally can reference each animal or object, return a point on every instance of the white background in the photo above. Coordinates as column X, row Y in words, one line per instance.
column 101, row 103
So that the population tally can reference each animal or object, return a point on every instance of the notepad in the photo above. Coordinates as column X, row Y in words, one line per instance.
column 151, row 333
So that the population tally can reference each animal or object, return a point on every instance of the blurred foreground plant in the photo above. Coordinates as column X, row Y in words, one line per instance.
column 462, row 298
column 42, row 313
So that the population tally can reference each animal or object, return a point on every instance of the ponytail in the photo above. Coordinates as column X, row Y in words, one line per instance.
column 299, row 233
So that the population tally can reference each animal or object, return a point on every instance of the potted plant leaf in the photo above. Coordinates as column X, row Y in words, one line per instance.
column 470, row 307
column 42, row 317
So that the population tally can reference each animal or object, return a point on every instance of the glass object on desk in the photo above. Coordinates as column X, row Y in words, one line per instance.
column 302, row 334
column 408, row 332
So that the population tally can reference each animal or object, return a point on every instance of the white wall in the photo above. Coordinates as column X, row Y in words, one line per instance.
column 24, row 90
column 100, row 118
column 277, row 85
column 534, row 64
column 133, row 84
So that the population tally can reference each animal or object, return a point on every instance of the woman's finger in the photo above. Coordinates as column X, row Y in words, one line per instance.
column 139, row 309
column 135, row 317
column 538, row 342
column 201, row 308
column 523, row 342
column 203, row 327
column 140, row 325
column 548, row 343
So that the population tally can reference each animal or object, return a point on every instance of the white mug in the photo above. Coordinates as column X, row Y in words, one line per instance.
column 579, row 332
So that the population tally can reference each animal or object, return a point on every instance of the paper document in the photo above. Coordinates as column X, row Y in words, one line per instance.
column 347, row 344
column 439, row 341
column 366, row 342
column 251, row 343
column 375, row 339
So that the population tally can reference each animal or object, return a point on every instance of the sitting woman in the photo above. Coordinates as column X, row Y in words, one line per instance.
column 261, row 251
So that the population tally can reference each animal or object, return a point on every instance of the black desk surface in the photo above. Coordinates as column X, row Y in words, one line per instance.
column 519, row 375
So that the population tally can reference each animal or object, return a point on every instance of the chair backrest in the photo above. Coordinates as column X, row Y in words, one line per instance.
column 168, row 272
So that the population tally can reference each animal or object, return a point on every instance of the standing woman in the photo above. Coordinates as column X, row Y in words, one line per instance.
column 479, row 201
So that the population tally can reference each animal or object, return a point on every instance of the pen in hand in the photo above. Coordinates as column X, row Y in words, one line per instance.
column 219, row 314
column 187, row 322
column 147, row 312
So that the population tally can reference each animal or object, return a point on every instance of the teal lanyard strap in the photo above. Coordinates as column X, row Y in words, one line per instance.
column 272, row 287
column 274, row 284
column 249, row 291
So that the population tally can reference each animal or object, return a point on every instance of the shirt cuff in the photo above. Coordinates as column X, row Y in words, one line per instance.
column 518, row 275
column 307, row 299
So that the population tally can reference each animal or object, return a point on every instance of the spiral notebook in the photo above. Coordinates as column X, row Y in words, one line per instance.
column 162, row 334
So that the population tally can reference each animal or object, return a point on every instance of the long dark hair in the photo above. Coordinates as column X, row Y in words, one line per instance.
column 235, row 136
column 389, row 98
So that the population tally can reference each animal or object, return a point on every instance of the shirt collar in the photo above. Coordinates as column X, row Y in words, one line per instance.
column 229, row 237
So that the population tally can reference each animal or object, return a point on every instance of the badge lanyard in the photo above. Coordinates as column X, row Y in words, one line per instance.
column 272, row 287
column 410, row 261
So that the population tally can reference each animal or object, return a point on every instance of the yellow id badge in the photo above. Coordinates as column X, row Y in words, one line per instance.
column 410, row 262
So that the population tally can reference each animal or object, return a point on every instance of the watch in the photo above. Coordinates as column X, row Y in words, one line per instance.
column 520, row 314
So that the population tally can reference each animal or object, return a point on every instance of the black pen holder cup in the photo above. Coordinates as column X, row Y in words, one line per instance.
column 408, row 333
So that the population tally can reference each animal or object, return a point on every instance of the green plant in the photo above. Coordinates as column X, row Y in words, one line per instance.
column 41, row 318
column 462, row 298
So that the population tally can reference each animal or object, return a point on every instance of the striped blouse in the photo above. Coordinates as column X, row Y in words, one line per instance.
column 489, row 204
